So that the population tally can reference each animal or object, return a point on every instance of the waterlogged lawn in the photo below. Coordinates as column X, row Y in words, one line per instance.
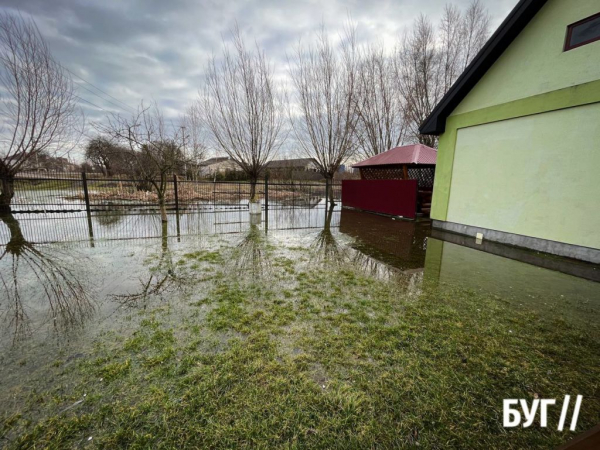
column 272, row 345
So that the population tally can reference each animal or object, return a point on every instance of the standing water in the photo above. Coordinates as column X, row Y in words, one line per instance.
column 336, row 297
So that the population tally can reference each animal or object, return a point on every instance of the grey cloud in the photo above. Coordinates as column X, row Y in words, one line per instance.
column 158, row 49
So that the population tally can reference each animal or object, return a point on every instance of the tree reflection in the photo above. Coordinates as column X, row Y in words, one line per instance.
column 326, row 248
column 250, row 257
column 24, row 266
column 110, row 217
column 162, row 276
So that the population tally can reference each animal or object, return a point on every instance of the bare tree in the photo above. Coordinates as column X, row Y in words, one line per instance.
column 418, row 76
column 110, row 157
column 326, row 85
column 475, row 30
column 156, row 147
column 429, row 60
column 194, row 137
column 380, row 124
column 244, row 108
column 38, row 104
column 451, row 47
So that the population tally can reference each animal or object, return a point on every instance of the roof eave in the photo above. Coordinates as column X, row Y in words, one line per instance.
column 510, row 28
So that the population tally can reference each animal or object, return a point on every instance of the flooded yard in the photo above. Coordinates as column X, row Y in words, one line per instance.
column 311, row 328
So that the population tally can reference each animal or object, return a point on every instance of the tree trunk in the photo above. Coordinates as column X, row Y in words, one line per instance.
column 17, row 240
column 163, row 207
column 165, row 237
column 253, row 182
column 328, row 216
column 330, row 183
column 7, row 185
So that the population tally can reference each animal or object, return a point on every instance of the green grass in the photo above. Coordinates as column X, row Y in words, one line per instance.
column 317, row 357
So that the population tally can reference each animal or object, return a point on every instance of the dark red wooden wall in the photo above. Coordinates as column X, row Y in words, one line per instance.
column 393, row 197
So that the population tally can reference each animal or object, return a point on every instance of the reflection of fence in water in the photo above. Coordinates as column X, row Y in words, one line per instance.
column 107, row 225
column 67, row 193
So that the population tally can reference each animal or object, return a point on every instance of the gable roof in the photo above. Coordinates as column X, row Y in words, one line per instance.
column 211, row 161
column 514, row 23
column 298, row 162
column 407, row 154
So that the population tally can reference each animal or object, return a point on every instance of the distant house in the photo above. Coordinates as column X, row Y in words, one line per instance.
column 217, row 165
column 301, row 164
column 519, row 131
column 294, row 169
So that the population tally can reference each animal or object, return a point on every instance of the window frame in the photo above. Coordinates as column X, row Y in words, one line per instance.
column 570, row 28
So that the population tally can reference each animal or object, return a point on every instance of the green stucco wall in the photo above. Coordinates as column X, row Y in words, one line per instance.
column 520, row 154
column 536, row 176
column 570, row 97
column 535, row 62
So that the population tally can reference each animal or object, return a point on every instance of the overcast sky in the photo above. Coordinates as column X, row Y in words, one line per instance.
column 157, row 49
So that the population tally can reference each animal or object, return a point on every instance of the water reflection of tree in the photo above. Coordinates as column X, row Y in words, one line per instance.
column 54, row 277
column 251, row 256
column 369, row 266
column 110, row 217
column 162, row 276
column 326, row 248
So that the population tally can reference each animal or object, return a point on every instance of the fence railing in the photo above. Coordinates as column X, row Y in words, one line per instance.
column 84, row 192
column 102, row 227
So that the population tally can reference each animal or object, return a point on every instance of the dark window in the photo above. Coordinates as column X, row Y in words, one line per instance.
column 583, row 32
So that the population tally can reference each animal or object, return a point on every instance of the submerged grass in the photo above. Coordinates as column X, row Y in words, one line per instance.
column 317, row 357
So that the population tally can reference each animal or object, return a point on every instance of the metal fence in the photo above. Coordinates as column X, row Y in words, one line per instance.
column 68, row 192
column 107, row 226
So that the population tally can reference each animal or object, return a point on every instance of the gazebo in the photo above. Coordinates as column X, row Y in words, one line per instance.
column 409, row 162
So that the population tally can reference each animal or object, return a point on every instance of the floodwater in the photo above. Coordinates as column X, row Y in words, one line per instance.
column 66, row 280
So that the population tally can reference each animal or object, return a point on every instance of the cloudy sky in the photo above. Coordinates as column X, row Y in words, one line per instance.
column 158, row 49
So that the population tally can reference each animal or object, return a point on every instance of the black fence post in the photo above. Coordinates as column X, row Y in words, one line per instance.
column 266, row 202
column 266, row 192
column 86, row 194
column 176, row 193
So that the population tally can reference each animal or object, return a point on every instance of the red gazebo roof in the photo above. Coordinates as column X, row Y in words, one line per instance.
column 406, row 154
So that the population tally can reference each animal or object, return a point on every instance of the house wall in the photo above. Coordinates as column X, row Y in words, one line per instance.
column 536, row 176
column 520, row 154
column 535, row 62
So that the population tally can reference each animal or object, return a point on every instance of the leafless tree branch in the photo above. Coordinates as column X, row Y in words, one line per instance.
column 380, row 124
column 326, row 94
column 429, row 60
column 156, row 146
column 244, row 108
column 38, row 104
